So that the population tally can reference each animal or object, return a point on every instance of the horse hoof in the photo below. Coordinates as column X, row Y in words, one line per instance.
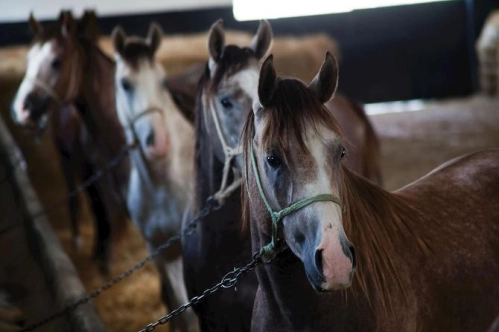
column 77, row 243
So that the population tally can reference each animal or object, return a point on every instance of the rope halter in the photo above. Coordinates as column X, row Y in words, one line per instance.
column 230, row 153
column 270, row 250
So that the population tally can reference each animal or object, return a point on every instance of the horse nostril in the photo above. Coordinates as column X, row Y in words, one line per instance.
column 150, row 139
column 318, row 259
column 27, row 104
column 354, row 258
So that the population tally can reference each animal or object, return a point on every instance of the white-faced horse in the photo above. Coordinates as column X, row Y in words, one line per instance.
column 162, row 165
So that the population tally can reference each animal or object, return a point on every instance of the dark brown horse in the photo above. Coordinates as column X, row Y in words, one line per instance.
column 426, row 257
column 69, row 76
column 226, row 94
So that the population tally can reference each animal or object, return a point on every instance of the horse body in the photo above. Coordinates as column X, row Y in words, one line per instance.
column 451, row 288
column 162, row 164
column 55, row 82
column 426, row 257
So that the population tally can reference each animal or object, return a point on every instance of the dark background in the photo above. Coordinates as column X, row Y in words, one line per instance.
column 393, row 53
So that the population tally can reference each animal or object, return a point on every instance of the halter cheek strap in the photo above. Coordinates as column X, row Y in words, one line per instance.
column 47, row 89
column 230, row 153
column 277, row 216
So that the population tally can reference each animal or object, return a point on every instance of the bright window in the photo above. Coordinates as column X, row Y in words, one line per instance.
column 246, row 10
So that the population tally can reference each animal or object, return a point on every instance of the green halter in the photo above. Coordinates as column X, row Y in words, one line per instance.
column 277, row 216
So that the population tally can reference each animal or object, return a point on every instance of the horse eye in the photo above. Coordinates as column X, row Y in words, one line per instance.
column 226, row 103
column 343, row 152
column 56, row 64
column 126, row 85
column 273, row 161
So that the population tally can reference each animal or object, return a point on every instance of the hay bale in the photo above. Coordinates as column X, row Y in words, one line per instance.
column 487, row 48
column 294, row 56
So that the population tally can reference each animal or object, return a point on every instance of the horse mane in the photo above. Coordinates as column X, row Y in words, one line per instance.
column 376, row 221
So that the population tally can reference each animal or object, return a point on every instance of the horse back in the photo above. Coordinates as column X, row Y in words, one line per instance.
column 459, row 222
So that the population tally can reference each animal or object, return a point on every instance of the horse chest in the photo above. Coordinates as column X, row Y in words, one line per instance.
column 154, row 209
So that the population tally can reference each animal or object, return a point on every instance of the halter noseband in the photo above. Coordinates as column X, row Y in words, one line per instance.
column 47, row 89
column 133, row 119
column 270, row 249
column 229, row 152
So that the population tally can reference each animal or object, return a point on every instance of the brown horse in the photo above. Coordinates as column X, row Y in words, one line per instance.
column 68, row 75
column 426, row 257
column 227, row 92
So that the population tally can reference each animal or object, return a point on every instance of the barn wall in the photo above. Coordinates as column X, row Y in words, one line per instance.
column 394, row 53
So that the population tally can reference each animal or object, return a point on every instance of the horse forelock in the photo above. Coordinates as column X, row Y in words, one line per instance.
column 294, row 110
column 136, row 50
column 233, row 60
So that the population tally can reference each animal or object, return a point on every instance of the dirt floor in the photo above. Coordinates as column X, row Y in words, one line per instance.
column 413, row 143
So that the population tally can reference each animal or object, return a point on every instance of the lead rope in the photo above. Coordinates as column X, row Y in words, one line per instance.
column 229, row 152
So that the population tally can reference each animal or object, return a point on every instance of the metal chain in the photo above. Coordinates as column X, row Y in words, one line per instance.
column 228, row 281
column 211, row 205
column 87, row 183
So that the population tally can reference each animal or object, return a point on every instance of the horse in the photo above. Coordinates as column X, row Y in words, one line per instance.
column 70, row 81
column 225, row 95
column 162, row 168
column 348, row 255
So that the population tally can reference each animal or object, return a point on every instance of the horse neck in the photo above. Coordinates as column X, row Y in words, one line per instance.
column 96, row 99
column 208, row 167
column 98, row 81
column 180, row 161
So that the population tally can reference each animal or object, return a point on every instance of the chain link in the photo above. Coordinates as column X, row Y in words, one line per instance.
column 87, row 183
column 211, row 205
column 228, row 281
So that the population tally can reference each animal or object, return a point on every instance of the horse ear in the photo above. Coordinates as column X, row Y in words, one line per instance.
column 267, row 81
column 154, row 36
column 89, row 26
column 67, row 23
column 34, row 25
column 118, row 37
column 216, row 41
column 262, row 41
column 325, row 82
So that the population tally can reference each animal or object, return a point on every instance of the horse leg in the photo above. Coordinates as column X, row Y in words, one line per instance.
column 103, row 226
column 73, row 201
column 174, row 294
